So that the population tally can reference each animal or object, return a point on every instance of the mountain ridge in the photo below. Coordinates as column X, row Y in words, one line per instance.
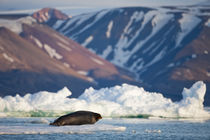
column 34, row 57
column 148, row 42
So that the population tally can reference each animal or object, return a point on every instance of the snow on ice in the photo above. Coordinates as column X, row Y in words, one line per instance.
column 47, row 129
column 124, row 100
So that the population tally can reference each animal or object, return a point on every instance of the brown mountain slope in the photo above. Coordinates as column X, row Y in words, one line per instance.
column 74, row 56
column 42, row 59
column 25, row 68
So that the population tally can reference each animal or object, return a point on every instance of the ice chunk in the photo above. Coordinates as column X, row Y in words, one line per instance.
column 46, row 129
column 117, row 101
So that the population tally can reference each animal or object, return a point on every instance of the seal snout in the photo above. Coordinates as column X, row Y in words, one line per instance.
column 99, row 117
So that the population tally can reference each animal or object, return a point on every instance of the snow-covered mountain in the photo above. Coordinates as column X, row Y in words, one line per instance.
column 166, row 47
column 34, row 57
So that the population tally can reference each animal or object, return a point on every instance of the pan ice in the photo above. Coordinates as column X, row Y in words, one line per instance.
column 125, row 100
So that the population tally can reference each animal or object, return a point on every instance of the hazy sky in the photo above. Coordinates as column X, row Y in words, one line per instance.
column 34, row 4
column 10, row 5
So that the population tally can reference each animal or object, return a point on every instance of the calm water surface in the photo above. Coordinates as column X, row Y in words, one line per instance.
column 118, row 128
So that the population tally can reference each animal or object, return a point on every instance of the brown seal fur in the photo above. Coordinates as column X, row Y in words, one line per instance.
column 77, row 118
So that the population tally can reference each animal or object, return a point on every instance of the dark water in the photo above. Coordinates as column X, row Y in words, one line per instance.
column 31, row 128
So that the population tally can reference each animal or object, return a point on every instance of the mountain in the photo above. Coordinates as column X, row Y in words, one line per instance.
column 34, row 57
column 167, row 47
column 49, row 15
column 25, row 68
column 73, row 56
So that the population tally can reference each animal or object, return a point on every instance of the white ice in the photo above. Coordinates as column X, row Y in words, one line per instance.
column 47, row 129
column 124, row 100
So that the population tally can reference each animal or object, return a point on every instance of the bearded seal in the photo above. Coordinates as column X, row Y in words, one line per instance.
column 77, row 118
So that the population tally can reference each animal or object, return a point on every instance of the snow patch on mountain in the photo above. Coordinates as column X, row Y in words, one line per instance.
column 66, row 65
column 208, row 23
column 52, row 52
column 77, row 20
column 37, row 41
column 97, row 61
column 106, row 52
column 16, row 25
column 8, row 58
column 98, row 16
column 62, row 39
column 156, row 58
column 158, row 20
column 87, row 41
column 187, row 23
column 85, row 73
column 64, row 46
column 137, row 16
column 109, row 29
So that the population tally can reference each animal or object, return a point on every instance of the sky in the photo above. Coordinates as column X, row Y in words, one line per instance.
column 11, row 5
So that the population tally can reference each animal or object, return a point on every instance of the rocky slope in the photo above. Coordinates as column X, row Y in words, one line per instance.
column 34, row 57
column 49, row 15
column 25, row 68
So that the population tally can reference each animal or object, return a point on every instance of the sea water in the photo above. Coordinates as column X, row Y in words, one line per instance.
column 129, row 112
column 107, row 128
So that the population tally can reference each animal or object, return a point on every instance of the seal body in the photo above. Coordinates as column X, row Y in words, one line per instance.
column 77, row 118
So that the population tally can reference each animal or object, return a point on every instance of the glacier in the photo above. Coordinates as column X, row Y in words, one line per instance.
column 118, row 101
